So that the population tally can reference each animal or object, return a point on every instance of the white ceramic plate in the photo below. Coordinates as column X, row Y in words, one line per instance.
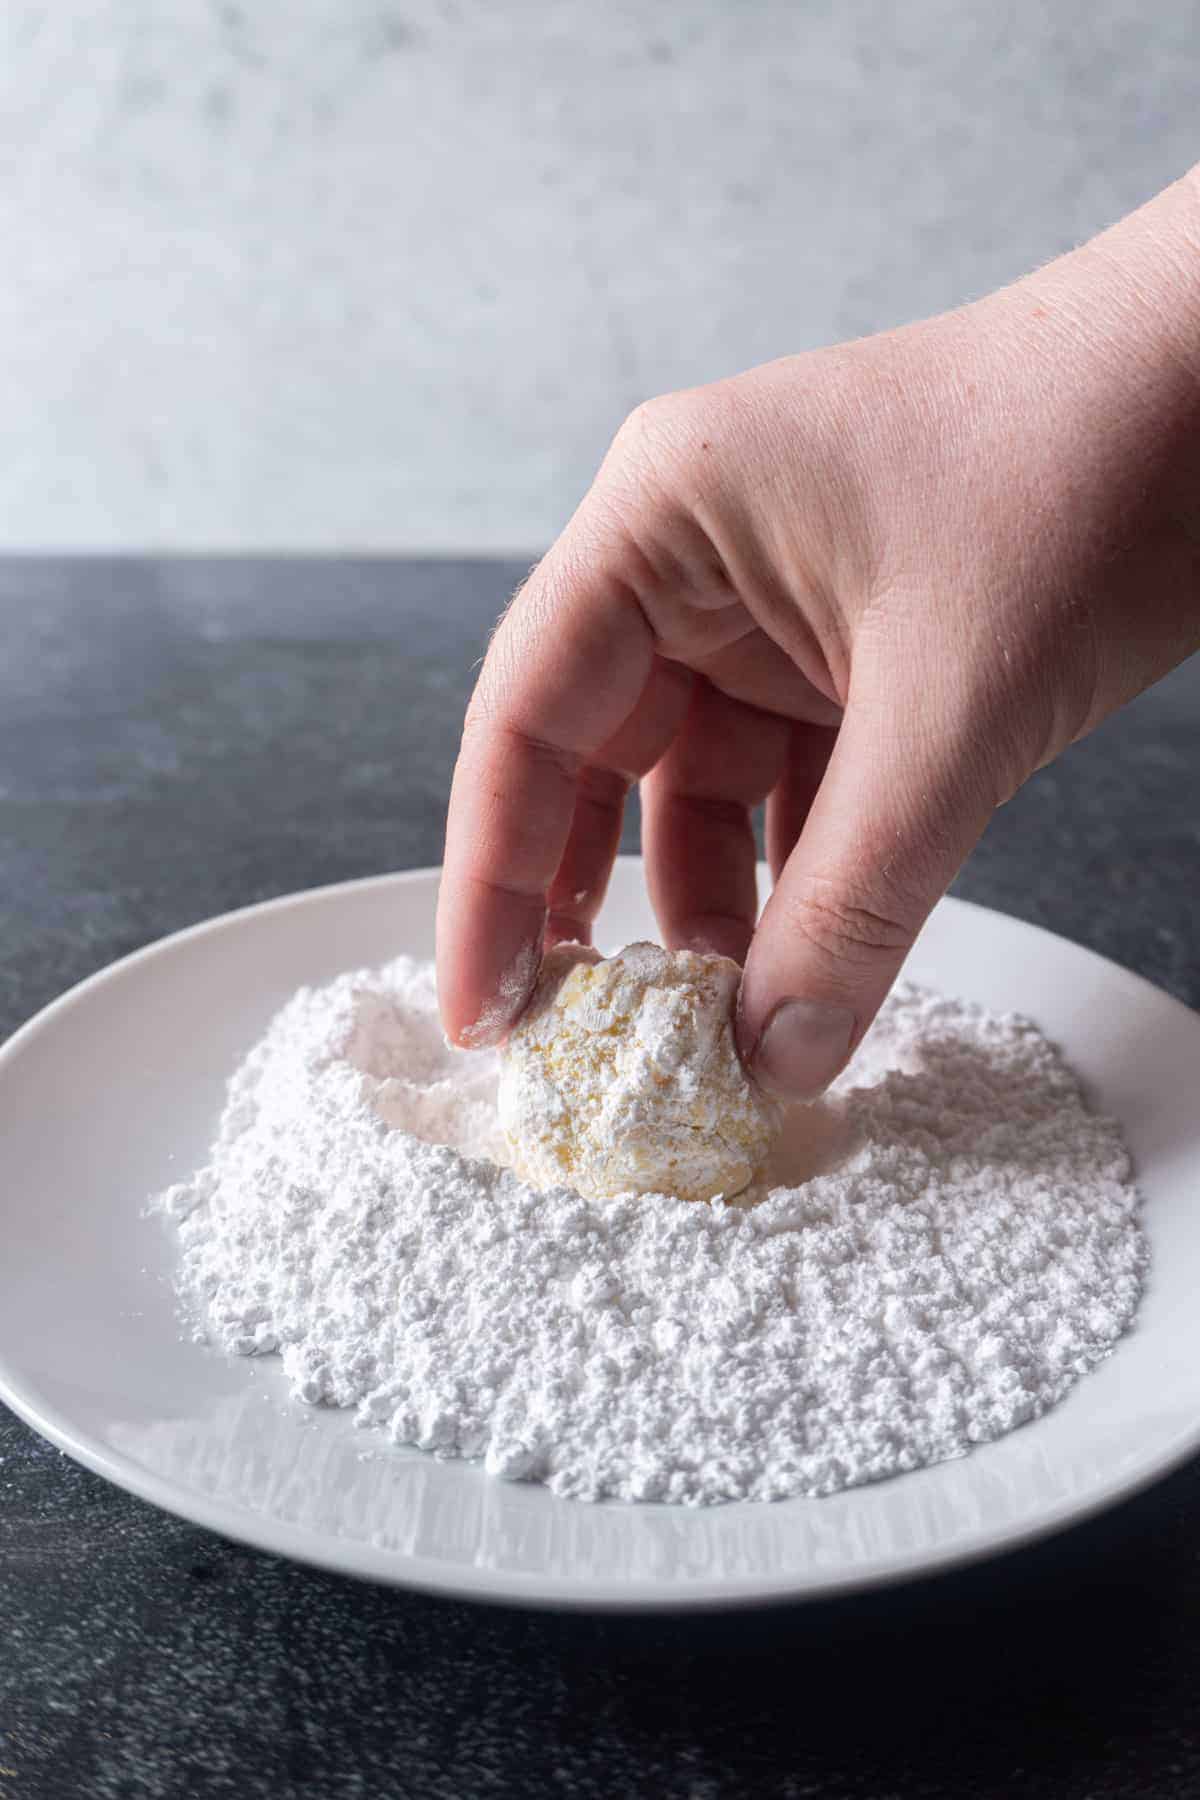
column 112, row 1093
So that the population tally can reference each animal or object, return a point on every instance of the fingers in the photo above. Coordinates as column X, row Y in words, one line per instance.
column 578, row 888
column 696, row 821
column 897, row 811
column 756, row 669
column 791, row 798
column 565, row 672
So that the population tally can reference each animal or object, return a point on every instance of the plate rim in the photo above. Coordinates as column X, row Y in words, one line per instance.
column 535, row 1589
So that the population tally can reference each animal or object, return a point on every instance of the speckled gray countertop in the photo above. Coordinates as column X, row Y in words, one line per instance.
column 177, row 738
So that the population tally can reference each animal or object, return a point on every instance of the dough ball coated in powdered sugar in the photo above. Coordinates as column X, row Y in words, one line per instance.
column 622, row 1076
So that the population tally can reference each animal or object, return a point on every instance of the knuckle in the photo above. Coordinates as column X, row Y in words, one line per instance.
column 642, row 462
column 714, row 813
column 602, row 788
column 842, row 931
column 678, row 428
column 487, row 735
column 649, row 423
column 485, row 711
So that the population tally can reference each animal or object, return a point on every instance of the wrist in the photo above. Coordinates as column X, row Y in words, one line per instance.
column 1100, row 370
column 1110, row 333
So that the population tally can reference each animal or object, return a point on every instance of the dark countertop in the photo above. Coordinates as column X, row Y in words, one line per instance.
column 178, row 738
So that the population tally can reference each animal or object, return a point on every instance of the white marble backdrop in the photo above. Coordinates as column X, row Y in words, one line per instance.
column 386, row 274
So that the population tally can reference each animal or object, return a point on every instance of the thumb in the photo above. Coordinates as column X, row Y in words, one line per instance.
column 898, row 809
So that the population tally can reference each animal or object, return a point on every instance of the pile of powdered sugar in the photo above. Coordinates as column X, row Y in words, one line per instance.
column 948, row 1245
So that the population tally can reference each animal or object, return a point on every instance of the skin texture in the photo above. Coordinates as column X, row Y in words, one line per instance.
column 876, row 586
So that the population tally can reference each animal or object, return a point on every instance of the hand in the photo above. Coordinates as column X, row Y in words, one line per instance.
column 876, row 586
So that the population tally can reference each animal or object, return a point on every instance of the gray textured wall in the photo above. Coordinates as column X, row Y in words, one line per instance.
column 387, row 273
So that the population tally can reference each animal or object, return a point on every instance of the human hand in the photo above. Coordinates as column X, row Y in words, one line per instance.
column 876, row 586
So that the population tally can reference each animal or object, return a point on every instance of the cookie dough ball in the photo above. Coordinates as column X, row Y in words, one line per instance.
column 622, row 1076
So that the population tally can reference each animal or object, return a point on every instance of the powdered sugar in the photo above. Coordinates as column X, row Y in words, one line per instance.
column 511, row 995
column 948, row 1245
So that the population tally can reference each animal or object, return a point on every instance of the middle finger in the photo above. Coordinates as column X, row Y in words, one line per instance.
column 696, row 821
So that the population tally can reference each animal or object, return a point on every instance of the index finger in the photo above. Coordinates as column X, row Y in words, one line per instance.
column 565, row 670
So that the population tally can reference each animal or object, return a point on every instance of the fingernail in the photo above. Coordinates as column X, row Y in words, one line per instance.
column 513, row 991
column 803, row 1045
